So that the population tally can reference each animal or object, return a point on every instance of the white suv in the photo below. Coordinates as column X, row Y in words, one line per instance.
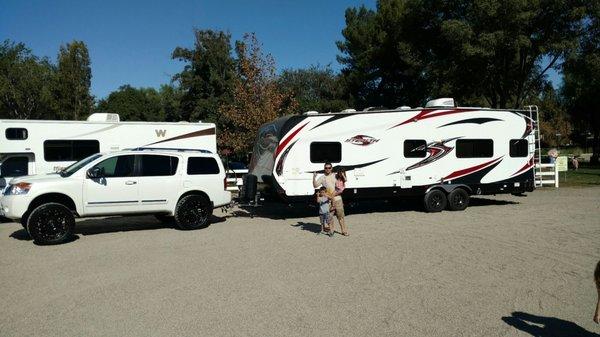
column 180, row 185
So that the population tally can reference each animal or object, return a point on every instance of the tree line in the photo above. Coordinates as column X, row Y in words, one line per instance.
column 487, row 53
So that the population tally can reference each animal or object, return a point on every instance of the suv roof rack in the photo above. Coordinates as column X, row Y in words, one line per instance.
column 168, row 149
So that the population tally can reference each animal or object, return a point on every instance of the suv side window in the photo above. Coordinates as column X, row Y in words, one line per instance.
column 202, row 165
column 157, row 165
column 119, row 166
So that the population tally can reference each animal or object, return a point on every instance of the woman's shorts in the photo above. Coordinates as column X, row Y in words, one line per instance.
column 339, row 208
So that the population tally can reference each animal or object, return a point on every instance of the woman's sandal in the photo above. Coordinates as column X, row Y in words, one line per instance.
column 345, row 234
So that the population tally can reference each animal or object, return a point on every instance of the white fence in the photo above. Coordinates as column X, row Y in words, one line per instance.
column 546, row 174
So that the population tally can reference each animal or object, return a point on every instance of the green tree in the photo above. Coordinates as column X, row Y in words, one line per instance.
column 314, row 88
column 490, row 51
column 256, row 97
column 207, row 78
column 74, row 78
column 582, row 79
column 133, row 104
column 555, row 123
column 25, row 83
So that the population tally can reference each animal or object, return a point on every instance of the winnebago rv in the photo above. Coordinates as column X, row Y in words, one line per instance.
column 441, row 152
column 42, row 146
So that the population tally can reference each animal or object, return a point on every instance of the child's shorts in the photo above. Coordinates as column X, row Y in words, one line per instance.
column 324, row 218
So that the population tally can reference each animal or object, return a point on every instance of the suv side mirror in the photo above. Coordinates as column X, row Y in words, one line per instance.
column 95, row 172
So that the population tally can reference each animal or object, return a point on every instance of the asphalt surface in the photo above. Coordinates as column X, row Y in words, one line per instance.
column 507, row 266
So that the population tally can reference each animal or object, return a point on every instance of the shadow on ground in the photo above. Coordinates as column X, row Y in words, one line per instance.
column 115, row 224
column 546, row 326
column 282, row 211
column 308, row 226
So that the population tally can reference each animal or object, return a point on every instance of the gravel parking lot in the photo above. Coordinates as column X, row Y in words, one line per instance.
column 507, row 266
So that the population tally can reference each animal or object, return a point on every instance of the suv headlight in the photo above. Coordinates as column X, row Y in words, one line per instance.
column 17, row 189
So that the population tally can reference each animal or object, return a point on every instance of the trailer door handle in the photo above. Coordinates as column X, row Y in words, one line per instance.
column 130, row 182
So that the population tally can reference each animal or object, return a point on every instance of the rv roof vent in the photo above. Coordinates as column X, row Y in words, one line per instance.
column 349, row 110
column 103, row 117
column 404, row 107
column 312, row 112
column 441, row 103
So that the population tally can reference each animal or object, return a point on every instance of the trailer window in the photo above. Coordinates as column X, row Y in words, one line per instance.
column 324, row 152
column 69, row 150
column 474, row 148
column 14, row 167
column 202, row 165
column 415, row 148
column 518, row 148
column 153, row 165
column 16, row 133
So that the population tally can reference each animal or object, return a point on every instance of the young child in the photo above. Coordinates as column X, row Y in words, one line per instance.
column 597, row 279
column 323, row 200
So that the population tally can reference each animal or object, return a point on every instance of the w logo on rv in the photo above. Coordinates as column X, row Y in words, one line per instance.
column 362, row 140
column 160, row 133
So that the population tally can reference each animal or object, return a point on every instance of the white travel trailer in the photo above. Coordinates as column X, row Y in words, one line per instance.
column 441, row 152
column 42, row 146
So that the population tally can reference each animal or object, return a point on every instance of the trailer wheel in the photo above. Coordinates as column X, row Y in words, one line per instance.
column 434, row 201
column 458, row 200
column 193, row 212
column 51, row 224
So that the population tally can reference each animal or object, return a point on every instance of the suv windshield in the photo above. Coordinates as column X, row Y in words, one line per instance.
column 69, row 170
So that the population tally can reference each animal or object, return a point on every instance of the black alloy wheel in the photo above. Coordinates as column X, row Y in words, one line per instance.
column 50, row 224
column 193, row 212
column 434, row 201
column 458, row 200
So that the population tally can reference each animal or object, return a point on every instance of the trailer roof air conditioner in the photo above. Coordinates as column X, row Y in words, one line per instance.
column 441, row 103
column 103, row 117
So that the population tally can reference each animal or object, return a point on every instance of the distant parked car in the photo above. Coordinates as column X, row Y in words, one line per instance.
column 183, row 186
column 235, row 175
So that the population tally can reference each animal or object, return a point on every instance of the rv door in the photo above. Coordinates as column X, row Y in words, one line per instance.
column 15, row 165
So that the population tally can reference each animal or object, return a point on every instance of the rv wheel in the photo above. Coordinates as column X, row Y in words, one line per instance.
column 50, row 224
column 458, row 200
column 434, row 201
column 193, row 212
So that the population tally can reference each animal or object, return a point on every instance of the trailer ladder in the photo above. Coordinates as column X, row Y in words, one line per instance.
column 535, row 144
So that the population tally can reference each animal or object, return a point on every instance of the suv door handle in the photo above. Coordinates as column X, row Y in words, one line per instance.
column 130, row 182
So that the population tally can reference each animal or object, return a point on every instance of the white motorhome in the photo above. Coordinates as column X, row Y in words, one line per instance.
column 441, row 152
column 30, row 147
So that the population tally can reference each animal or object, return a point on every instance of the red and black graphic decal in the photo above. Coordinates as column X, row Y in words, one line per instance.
column 349, row 167
column 525, row 167
column 529, row 126
column 331, row 119
column 469, row 171
column 362, row 140
column 427, row 113
column 281, row 161
column 436, row 150
column 472, row 121
column 287, row 140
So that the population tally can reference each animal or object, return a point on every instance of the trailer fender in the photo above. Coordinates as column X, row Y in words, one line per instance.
column 447, row 188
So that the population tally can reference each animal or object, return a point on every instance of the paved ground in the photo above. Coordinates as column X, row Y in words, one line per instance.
column 507, row 266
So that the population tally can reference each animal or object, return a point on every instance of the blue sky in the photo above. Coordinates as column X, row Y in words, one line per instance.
column 130, row 42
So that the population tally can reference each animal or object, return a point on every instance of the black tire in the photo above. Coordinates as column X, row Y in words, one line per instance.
column 24, row 219
column 434, row 201
column 167, row 219
column 51, row 224
column 458, row 200
column 193, row 212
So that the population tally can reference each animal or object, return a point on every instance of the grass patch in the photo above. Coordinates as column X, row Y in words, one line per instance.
column 585, row 176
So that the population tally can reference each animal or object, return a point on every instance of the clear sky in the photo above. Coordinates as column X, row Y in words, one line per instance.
column 130, row 42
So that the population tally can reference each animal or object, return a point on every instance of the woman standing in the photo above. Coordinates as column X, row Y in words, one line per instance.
column 338, row 203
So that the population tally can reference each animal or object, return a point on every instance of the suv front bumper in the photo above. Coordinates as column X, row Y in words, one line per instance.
column 13, row 206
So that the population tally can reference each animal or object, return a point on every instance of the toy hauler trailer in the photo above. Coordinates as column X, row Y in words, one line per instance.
column 43, row 146
column 441, row 152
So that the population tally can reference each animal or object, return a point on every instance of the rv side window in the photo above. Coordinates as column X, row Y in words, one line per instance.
column 154, row 165
column 14, row 167
column 16, row 134
column 202, row 165
column 323, row 152
column 69, row 150
column 115, row 167
column 518, row 148
column 415, row 148
column 474, row 148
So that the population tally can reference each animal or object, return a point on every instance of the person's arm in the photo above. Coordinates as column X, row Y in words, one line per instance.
column 315, row 181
